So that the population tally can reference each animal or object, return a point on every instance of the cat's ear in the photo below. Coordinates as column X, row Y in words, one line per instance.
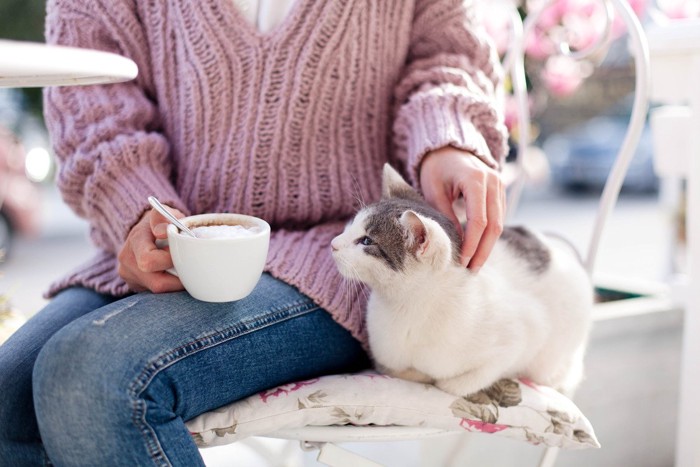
column 416, row 230
column 393, row 184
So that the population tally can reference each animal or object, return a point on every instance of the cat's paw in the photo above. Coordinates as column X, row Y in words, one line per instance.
column 412, row 374
column 461, row 386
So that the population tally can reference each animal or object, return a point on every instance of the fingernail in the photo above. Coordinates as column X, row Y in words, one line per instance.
column 475, row 270
column 465, row 261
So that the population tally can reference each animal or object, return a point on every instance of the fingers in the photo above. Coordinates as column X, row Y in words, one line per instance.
column 158, row 282
column 159, row 224
column 486, row 224
column 475, row 195
column 443, row 203
column 448, row 173
column 150, row 258
column 142, row 265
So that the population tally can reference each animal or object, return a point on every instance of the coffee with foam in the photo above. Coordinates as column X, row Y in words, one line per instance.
column 225, row 231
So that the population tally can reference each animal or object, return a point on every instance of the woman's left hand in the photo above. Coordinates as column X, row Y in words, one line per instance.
column 448, row 173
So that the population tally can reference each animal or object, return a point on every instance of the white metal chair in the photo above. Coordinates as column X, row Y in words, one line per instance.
column 324, row 438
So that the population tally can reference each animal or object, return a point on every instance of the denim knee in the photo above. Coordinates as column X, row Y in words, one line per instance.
column 20, row 443
column 19, row 437
column 76, row 391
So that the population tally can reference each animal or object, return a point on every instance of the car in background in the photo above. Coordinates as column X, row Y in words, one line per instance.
column 581, row 157
column 20, row 207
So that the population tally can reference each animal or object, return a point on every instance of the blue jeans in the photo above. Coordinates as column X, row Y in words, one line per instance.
column 114, row 386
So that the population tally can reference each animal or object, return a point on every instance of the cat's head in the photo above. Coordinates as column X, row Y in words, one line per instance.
column 398, row 235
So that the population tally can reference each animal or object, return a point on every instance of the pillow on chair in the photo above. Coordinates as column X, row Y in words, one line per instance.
column 517, row 409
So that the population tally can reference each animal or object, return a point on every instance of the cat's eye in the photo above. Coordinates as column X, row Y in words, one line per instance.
column 366, row 241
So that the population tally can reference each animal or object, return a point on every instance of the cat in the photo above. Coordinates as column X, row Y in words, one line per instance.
column 525, row 314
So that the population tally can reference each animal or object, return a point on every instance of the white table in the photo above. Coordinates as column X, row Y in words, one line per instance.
column 29, row 64
column 675, row 64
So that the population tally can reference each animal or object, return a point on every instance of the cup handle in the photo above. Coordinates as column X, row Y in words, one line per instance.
column 163, row 243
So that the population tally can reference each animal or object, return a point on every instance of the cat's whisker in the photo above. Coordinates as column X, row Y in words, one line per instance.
column 352, row 284
column 347, row 284
column 364, row 291
column 348, row 296
column 351, row 290
column 357, row 283
column 357, row 193
column 347, row 299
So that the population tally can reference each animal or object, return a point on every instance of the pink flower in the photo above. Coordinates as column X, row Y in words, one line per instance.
column 529, row 383
column 538, row 44
column 511, row 111
column 482, row 427
column 550, row 16
column 639, row 6
column 680, row 9
column 585, row 27
column 563, row 75
column 580, row 23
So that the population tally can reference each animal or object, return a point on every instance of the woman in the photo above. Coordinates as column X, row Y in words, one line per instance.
column 291, row 124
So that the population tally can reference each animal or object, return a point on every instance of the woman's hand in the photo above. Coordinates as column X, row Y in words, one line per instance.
column 447, row 173
column 141, row 263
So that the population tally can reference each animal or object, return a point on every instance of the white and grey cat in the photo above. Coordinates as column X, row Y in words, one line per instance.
column 525, row 314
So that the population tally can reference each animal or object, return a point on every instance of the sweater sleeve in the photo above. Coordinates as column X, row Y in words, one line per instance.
column 449, row 93
column 111, row 152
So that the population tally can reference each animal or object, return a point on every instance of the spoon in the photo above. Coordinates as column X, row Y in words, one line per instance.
column 161, row 209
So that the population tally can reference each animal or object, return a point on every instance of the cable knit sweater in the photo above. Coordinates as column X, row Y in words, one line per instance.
column 292, row 125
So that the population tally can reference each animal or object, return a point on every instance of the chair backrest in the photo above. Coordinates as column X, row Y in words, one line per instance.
column 514, row 64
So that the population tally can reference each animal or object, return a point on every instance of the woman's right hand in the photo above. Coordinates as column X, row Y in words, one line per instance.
column 142, row 264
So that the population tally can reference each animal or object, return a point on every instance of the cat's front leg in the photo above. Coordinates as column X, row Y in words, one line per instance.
column 410, row 374
column 470, row 382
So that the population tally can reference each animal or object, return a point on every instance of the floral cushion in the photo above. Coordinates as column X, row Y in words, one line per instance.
column 514, row 408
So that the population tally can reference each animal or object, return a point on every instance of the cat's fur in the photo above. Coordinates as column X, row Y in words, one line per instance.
column 525, row 314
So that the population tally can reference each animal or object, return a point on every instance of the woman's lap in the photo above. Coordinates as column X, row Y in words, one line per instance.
column 150, row 362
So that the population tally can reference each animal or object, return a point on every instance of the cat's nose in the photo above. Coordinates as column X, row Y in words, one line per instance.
column 334, row 245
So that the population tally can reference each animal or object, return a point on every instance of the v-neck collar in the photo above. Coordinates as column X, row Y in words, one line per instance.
column 293, row 17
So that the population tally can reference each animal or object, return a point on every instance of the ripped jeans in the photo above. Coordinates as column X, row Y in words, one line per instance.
column 91, row 380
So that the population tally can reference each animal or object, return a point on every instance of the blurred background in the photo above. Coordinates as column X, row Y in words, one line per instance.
column 580, row 112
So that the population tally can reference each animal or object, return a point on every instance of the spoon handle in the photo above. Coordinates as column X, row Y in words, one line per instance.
column 161, row 209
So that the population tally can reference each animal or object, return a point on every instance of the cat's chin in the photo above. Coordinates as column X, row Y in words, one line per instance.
column 345, row 270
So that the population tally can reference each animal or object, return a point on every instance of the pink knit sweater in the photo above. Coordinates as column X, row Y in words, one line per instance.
column 292, row 126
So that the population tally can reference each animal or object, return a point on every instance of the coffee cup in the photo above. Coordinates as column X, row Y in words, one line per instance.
column 226, row 259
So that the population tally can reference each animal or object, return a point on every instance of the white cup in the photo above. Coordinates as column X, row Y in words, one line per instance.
column 219, row 269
